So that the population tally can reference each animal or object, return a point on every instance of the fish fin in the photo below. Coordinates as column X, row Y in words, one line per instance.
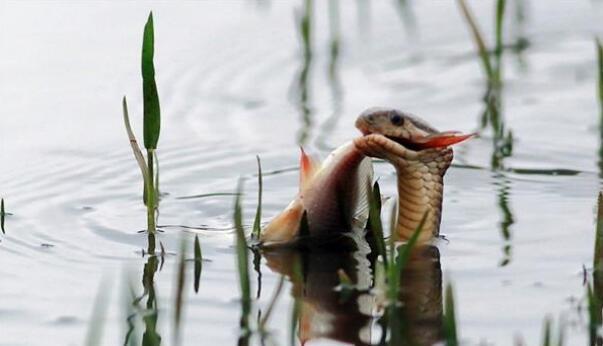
column 285, row 226
column 307, row 168
column 363, row 186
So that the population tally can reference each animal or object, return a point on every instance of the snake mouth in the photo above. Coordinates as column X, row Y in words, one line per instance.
column 436, row 140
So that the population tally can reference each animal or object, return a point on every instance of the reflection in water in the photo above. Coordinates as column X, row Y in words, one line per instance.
column 353, row 316
column 150, row 312
column 301, row 88
column 407, row 16
column 520, row 18
column 418, row 319
column 323, row 313
column 333, row 76
column 492, row 116
column 504, row 188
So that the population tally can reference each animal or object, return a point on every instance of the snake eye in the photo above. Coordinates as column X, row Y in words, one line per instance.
column 396, row 119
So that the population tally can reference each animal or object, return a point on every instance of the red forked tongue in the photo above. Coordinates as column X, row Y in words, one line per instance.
column 442, row 139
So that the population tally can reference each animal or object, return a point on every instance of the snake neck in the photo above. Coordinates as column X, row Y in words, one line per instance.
column 420, row 192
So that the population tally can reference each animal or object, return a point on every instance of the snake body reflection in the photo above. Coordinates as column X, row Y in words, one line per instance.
column 354, row 317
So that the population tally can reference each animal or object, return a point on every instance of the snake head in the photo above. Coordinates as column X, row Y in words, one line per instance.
column 398, row 137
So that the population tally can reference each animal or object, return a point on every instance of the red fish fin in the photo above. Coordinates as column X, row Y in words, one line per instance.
column 307, row 168
column 285, row 226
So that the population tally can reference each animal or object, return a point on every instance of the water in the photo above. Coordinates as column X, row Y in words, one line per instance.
column 234, row 83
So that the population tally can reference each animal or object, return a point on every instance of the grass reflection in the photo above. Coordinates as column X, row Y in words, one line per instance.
column 302, row 88
column 503, row 194
column 405, row 11
column 333, row 76
column 2, row 216
column 149, row 312
column 595, row 292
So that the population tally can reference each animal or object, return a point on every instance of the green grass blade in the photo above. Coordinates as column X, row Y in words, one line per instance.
column 546, row 337
column 598, row 256
column 198, row 263
column 477, row 38
column 450, row 330
column 152, row 117
column 498, row 51
column 99, row 311
column 600, row 68
column 242, row 261
column 594, row 314
column 258, row 212
column 2, row 215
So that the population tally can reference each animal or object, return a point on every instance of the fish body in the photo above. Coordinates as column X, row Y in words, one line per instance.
column 333, row 195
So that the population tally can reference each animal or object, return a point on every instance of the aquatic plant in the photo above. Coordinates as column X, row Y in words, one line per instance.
column 2, row 216
column 242, row 263
column 478, row 39
column 492, row 115
column 598, row 253
column 151, row 129
column 198, row 263
column 258, row 213
column 179, row 296
column 450, row 329
column 600, row 74
column 594, row 315
column 547, row 335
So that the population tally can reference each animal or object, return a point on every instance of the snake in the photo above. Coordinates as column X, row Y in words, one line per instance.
column 333, row 196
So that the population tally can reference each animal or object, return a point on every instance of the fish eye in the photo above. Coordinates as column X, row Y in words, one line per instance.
column 396, row 119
